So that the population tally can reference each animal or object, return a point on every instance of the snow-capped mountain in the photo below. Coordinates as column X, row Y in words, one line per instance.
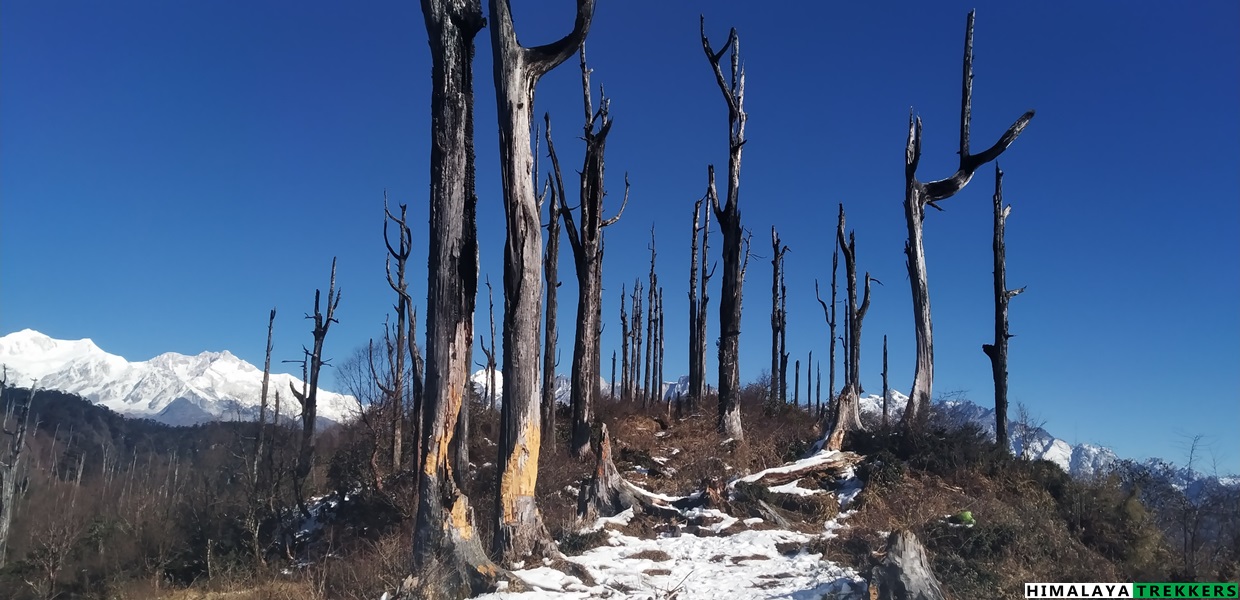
column 1083, row 460
column 171, row 388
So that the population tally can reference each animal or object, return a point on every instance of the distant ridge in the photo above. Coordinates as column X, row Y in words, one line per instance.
column 171, row 388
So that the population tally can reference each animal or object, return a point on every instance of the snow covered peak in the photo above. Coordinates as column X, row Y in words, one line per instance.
column 173, row 388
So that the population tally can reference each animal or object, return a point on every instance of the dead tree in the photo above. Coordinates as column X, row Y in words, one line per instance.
column 854, row 313
column 999, row 350
column 400, row 252
column 698, row 301
column 659, row 361
column 491, row 365
column 847, row 414
column 796, row 384
column 309, row 398
column 585, row 237
column 635, row 312
column 885, row 388
column 777, row 320
column 783, row 338
column 818, row 391
column 625, row 335
column 917, row 196
column 828, row 312
column 519, row 530
column 650, row 331
column 809, row 380
column 551, row 268
column 729, row 217
column 445, row 539
column 612, row 381
column 255, row 491
column 19, row 410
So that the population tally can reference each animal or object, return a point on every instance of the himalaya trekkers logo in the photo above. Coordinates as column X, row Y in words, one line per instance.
column 1167, row 591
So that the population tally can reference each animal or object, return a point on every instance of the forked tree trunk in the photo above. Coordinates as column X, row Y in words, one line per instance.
column 400, row 252
column 999, row 350
column 698, row 302
column 550, row 332
column 445, row 541
column 586, row 240
column 519, row 530
column 729, row 217
column 309, row 398
column 847, row 414
column 917, row 196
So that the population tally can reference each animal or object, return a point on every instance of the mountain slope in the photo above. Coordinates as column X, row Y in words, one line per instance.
column 171, row 388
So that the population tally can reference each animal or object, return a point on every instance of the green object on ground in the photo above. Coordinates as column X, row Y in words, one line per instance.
column 965, row 517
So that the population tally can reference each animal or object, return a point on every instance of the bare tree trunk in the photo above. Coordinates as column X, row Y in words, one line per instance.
column 586, row 240
column 418, row 376
column 847, row 414
column 252, row 517
column 809, row 381
column 612, row 381
column 550, row 333
column 885, row 388
column 999, row 350
column 647, row 396
column 491, row 364
column 624, row 345
column 445, row 540
column 783, row 338
column 777, row 321
column 659, row 361
column 400, row 252
column 309, row 399
column 635, row 312
column 729, row 218
column 828, row 312
column 698, row 302
column 917, row 196
column 796, row 384
column 519, row 530
column 9, row 468
column 818, row 391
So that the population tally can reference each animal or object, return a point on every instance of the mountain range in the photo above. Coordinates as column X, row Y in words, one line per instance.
column 170, row 388
column 183, row 390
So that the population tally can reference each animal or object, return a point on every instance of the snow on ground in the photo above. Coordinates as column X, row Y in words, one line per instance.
column 737, row 562
column 746, row 564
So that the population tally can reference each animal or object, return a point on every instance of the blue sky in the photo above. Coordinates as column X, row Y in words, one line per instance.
column 170, row 171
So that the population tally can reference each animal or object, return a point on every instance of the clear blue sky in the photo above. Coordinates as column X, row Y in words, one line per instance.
column 169, row 171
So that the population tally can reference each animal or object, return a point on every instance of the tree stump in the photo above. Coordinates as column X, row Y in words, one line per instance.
column 905, row 572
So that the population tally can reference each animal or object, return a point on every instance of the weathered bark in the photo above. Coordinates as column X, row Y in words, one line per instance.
column 417, row 391
column 659, row 369
column 796, row 384
column 917, row 196
column 998, row 351
column 905, row 571
column 647, row 396
column 256, row 546
column 20, row 411
column 886, row 389
column 609, row 494
column 783, row 339
column 809, row 380
column 624, row 345
column 828, row 312
column 847, row 414
column 400, row 252
column 837, row 465
column 818, row 391
column 550, row 333
column 445, row 540
column 777, row 255
column 612, row 381
column 586, row 240
column 489, row 352
column 309, row 398
column 698, row 301
column 729, row 217
column 635, row 313
column 519, row 530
